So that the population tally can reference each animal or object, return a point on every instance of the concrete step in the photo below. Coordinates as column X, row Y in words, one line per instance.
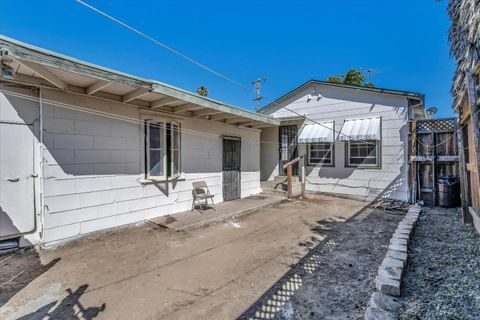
column 273, row 187
column 279, row 185
column 284, row 179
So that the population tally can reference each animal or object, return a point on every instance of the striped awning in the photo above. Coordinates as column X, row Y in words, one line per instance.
column 360, row 129
column 312, row 133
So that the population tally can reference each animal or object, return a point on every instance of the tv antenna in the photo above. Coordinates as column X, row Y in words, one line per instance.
column 258, row 86
column 370, row 72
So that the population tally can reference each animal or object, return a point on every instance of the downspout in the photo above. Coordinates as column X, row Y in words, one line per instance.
column 414, row 105
column 42, row 171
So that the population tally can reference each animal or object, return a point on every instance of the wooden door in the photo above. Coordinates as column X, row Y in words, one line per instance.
column 288, row 148
column 231, row 168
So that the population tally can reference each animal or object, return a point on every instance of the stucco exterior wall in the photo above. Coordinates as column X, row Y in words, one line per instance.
column 94, row 171
column 269, row 153
column 338, row 105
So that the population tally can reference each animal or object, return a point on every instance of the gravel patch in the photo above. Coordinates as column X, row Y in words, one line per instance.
column 442, row 279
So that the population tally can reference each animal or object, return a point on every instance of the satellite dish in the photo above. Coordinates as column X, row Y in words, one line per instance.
column 431, row 111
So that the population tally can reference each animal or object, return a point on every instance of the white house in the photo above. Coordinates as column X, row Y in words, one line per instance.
column 354, row 139
column 84, row 148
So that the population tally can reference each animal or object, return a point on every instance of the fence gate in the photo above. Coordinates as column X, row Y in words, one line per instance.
column 433, row 154
column 231, row 168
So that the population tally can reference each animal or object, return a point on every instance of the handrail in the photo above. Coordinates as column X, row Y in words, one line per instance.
column 288, row 166
column 292, row 162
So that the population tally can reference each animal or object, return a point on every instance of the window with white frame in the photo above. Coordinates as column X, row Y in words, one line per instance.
column 363, row 153
column 162, row 149
column 320, row 153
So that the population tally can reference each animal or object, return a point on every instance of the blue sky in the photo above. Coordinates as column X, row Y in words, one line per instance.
column 289, row 42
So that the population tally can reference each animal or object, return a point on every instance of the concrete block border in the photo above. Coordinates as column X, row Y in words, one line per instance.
column 384, row 304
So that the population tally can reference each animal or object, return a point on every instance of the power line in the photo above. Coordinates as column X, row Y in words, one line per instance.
column 141, row 122
column 117, row 117
column 174, row 51
column 186, row 57
column 257, row 82
column 109, row 115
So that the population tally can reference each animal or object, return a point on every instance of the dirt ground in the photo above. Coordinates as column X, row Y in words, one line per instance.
column 336, row 278
column 216, row 272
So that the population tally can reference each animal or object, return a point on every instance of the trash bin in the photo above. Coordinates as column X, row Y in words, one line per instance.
column 448, row 189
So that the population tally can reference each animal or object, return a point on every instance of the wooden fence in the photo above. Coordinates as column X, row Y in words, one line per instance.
column 433, row 153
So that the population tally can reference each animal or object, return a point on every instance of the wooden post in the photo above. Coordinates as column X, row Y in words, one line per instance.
column 412, row 165
column 289, row 181
column 434, row 169
column 463, row 175
column 415, row 164
column 304, row 178
column 474, row 120
column 288, row 166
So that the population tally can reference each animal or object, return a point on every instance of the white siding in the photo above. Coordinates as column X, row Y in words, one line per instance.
column 339, row 104
column 93, row 169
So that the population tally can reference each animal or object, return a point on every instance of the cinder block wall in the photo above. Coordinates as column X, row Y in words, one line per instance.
column 94, row 167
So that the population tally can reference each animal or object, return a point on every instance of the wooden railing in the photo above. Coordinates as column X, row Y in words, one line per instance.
column 288, row 166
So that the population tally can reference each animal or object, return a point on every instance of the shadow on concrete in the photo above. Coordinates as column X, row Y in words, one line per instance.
column 18, row 269
column 69, row 308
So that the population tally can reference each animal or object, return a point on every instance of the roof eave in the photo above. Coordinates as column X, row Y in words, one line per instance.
column 25, row 52
column 313, row 81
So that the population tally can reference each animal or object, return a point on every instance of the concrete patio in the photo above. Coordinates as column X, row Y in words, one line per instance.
column 149, row 272
column 219, row 212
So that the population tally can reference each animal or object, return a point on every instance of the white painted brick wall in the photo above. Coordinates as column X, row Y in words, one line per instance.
column 56, row 187
column 61, row 157
column 62, row 203
column 93, row 156
column 62, row 233
column 96, row 198
column 94, row 128
column 54, row 125
column 76, row 142
column 108, row 143
column 89, row 185
column 95, row 168
column 76, row 216
column 129, row 156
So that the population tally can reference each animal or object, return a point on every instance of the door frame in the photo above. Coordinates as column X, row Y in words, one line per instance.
column 33, row 176
column 239, row 182
column 294, row 155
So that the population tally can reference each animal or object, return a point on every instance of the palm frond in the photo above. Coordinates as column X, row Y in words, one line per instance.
column 464, row 37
